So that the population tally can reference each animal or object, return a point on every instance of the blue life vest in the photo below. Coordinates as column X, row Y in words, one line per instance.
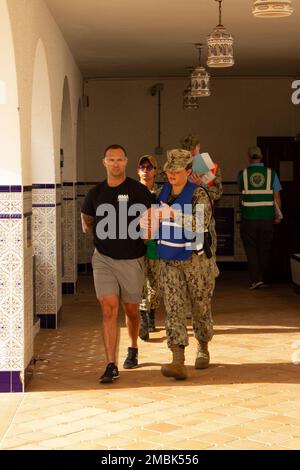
column 174, row 241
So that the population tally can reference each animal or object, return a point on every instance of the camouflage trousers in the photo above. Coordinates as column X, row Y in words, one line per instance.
column 151, row 291
column 183, row 282
column 213, row 233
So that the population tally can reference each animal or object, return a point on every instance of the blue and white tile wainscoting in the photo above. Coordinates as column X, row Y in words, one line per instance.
column 16, row 286
column 46, row 234
column 69, row 238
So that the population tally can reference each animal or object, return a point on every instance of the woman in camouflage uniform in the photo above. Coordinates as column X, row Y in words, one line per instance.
column 187, row 267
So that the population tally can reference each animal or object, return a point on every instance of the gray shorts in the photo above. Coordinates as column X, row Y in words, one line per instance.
column 123, row 277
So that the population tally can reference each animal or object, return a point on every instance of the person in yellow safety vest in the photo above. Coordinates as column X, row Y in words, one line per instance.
column 260, row 188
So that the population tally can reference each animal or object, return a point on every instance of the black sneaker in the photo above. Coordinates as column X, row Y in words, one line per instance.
column 264, row 285
column 256, row 285
column 131, row 361
column 111, row 373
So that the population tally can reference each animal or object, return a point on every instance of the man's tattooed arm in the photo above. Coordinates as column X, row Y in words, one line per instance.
column 87, row 222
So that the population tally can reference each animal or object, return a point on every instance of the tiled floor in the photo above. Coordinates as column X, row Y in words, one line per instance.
column 248, row 399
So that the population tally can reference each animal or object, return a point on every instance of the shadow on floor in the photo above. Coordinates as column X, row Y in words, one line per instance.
column 72, row 357
column 217, row 374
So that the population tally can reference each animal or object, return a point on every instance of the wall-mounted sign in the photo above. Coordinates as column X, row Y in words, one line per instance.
column 224, row 217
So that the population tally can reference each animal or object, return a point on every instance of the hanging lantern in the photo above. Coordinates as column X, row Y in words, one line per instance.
column 220, row 45
column 189, row 102
column 272, row 8
column 200, row 78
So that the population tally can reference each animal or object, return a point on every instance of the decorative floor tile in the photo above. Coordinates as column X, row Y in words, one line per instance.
column 238, row 403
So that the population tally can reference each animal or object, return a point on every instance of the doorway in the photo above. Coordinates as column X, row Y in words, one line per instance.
column 283, row 154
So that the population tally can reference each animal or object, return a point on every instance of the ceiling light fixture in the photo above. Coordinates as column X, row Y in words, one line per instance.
column 200, row 79
column 189, row 101
column 220, row 45
column 272, row 8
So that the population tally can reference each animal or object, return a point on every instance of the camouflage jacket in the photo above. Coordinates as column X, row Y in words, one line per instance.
column 198, row 219
column 216, row 190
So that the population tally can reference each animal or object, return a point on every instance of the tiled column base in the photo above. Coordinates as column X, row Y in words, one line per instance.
column 50, row 321
column 47, row 246
column 69, row 237
column 16, row 287
column 10, row 382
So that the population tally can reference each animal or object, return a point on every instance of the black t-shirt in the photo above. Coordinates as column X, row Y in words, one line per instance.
column 111, row 236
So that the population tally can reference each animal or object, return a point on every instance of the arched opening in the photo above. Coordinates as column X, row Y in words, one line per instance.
column 10, row 163
column 68, row 178
column 84, row 245
column 44, row 199
column 42, row 149
column 80, row 161
column 69, row 162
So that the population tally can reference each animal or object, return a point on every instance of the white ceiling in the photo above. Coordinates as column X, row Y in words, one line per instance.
column 147, row 38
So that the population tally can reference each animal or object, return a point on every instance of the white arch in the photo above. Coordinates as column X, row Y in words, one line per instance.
column 69, row 167
column 10, row 144
column 80, row 161
column 42, row 148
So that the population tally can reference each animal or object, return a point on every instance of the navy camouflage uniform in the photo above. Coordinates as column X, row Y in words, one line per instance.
column 193, row 281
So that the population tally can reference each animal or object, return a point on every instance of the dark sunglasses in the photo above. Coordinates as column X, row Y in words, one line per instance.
column 147, row 167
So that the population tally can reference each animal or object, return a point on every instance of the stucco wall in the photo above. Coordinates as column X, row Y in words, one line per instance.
column 31, row 21
column 238, row 110
column 10, row 158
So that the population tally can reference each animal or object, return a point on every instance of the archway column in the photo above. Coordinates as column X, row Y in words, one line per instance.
column 16, row 294
column 69, row 237
column 46, row 209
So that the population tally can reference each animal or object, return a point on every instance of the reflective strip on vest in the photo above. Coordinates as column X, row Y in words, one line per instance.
column 177, row 245
column 268, row 189
column 171, row 224
column 262, row 203
column 257, row 191
column 250, row 192
column 257, row 204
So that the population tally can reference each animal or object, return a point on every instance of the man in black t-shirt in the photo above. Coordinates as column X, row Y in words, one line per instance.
column 110, row 216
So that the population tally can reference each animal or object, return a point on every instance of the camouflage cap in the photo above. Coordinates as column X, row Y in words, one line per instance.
column 254, row 153
column 151, row 159
column 177, row 159
column 189, row 142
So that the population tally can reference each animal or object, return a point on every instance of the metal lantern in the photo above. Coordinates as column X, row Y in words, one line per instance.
column 272, row 8
column 189, row 101
column 200, row 79
column 220, row 45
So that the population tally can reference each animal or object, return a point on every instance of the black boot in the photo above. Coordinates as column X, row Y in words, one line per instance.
column 144, row 331
column 151, row 320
